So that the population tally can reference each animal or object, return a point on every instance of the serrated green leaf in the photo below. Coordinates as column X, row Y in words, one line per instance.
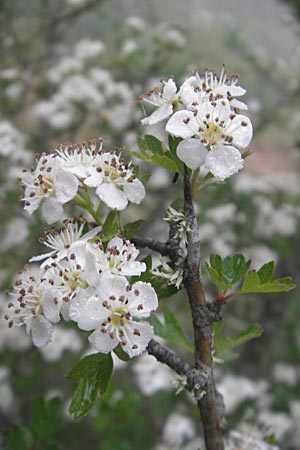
column 87, row 366
column 252, row 284
column 171, row 329
column 15, row 439
column 132, row 228
column 224, row 344
column 216, row 263
column 93, row 374
column 215, row 278
column 234, row 268
column 265, row 273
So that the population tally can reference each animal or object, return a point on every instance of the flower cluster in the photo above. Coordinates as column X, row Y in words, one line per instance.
column 58, row 176
column 204, row 113
column 84, row 281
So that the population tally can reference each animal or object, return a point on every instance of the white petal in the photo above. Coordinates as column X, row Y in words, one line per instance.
column 192, row 153
column 224, row 161
column 134, row 268
column 242, row 134
column 66, row 186
column 86, row 309
column 161, row 113
column 111, row 285
column 135, row 191
column 169, row 90
column 182, row 124
column 103, row 342
column 51, row 305
column 187, row 92
column 137, row 336
column 112, row 196
column 52, row 210
column 219, row 109
column 41, row 331
column 142, row 299
column 94, row 179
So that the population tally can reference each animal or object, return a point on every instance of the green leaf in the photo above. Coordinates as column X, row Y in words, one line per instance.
column 15, row 439
column 159, row 160
column 173, row 143
column 266, row 272
column 252, row 284
column 224, row 344
column 121, row 354
column 226, row 272
column 151, row 143
column 132, row 228
column 171, row 330
column 93, row 374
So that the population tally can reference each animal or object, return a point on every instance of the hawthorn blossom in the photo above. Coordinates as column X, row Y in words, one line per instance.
column 211, row 87
column 212, row 136
column 112, row 313
column 119, row 258
column 34, row 305
column 114, row 181
column 77, row 159
column 165, row 98
column 49, row 184
column 65, row 240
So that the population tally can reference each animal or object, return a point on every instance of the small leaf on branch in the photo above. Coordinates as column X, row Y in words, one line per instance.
column 93, row 374
column 252, row 284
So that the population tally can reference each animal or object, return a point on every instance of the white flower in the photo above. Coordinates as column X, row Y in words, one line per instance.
column 77, row 159
column 119, row 258
column 209, row 87
column 212, row 136
column 63, row 241
column 114, row 181
column 32, row 305
column 51, row 184
column 112, row 315
column 165, row 98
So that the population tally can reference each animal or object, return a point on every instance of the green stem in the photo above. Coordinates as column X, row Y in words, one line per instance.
column 87, row 205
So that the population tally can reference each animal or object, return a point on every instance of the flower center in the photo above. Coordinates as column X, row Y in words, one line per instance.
column 44, row 185
column 119, row 317
column 212, row 133
column 74, row 280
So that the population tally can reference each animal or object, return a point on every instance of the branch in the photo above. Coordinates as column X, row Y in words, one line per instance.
column 170, row 248
column 202, row 321
column 196, row 381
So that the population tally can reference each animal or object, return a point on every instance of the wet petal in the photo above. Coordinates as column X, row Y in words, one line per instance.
column 112, row 196
column 224, row 161
column 104, row 342
column 41, row 331
column 182, row 124
column 142, row 299
column 192, row 153
column 137, row 336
